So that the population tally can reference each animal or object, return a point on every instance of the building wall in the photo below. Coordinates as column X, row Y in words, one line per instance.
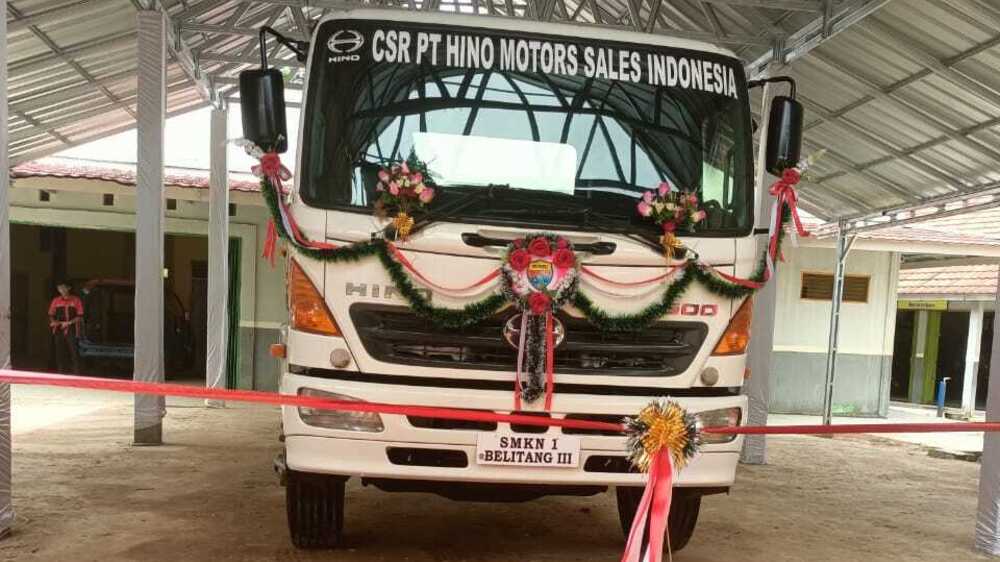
column 802, row 328
column 78, row 203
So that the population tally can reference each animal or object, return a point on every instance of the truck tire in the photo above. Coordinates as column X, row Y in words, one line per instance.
column 683, row 514
column 315, row 506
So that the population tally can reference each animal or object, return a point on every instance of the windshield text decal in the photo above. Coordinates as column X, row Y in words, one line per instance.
column 551, row 57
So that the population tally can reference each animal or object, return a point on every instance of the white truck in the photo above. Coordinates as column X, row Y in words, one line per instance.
column 528, row 127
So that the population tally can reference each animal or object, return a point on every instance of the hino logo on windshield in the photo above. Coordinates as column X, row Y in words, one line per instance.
column 378, row 291
column 343, row 43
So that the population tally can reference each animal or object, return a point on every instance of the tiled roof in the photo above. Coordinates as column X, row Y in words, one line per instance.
column 951, row 280
column 124, row 174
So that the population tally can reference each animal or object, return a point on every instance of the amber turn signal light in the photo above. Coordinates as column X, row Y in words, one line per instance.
column 278, row 351
column 306, row 306
column 735, row 339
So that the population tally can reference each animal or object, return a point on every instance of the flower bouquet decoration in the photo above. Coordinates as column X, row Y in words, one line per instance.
column 403, row 188
column 673, row 210
column 540, row 275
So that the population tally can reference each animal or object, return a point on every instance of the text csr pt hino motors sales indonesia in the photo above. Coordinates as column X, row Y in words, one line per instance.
column 527, row 127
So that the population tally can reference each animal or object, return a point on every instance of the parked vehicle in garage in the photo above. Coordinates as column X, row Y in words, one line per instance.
column 527, row 127
column 109, row 321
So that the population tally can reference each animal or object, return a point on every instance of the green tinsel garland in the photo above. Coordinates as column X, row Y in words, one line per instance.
column 478, row 311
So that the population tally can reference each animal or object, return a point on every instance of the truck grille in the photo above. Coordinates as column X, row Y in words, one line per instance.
column 396, row 335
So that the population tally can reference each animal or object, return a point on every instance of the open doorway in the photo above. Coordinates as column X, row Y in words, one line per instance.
column 100, row 267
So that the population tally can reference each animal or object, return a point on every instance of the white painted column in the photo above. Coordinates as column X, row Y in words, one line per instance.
column 6, row 506
column 218, row 255
column 988, row 516
column 151, row 110
column 971, row 376
column 758, row 387
column 917, row 365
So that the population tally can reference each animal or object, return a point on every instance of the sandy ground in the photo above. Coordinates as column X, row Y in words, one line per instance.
column 82, row 493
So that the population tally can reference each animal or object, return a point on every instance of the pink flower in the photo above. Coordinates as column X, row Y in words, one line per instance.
column 383, row 175
column 539, row 302
column 540, row 247
column 404, row 168
column 664, row 188
column 417, row 177
column 669, row 226
column 645, row 209
column 693, row 199
column 562, row 243
column 564, row 259
column 427, row 194
column 647, row 197
column 700, row 216
column 394, row 188
column 519, row 259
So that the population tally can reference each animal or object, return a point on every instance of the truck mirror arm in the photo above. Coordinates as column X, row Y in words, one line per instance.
column 300, row 48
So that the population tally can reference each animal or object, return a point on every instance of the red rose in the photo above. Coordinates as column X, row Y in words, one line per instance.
column 564, row 259
column 669, row 226
column 539, row 302
column 540, row 247
column 518, row 243
column 519, row 260
column 791, row 176
column 562, row 243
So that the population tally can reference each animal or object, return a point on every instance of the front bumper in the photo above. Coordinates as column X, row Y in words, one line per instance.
column 325, row 451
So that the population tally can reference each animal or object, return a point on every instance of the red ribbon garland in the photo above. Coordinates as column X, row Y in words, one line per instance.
column 406, row 263
column 650, row 281
column 273, row 170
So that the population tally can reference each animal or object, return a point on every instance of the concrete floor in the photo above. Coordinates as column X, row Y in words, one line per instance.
column 82, row 493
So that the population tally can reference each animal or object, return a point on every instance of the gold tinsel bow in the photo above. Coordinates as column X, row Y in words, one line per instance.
column 658, row 425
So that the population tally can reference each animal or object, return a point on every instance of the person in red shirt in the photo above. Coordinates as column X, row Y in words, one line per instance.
column 65, row 322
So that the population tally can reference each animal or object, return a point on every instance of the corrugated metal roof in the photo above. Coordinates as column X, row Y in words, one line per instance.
column 904, row 95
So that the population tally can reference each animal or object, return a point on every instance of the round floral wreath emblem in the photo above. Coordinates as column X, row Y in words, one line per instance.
column 540, row 272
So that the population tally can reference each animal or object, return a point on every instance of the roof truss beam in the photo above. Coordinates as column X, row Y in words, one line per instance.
column 183, row 56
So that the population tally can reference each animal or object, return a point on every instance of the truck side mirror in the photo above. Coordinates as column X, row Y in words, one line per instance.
column 262, row 105
column 784, row 134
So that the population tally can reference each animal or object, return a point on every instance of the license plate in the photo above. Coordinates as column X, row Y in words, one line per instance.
column 559, row 451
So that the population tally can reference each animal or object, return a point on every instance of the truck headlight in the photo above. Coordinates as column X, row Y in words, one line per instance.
column 723, row 417
column 332, row 419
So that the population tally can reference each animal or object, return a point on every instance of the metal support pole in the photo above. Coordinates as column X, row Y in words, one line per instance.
column 988, row 515
column 6, row 506
column 218, row 255
column 970, row 379
column 843, row 247
column 151, row 108
column 757, row 387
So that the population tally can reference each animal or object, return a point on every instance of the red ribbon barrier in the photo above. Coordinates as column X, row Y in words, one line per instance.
column 274, row 398
column 256, row 396
column 939, row 427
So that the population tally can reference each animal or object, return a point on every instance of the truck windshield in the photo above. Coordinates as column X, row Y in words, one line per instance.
column 561, row 132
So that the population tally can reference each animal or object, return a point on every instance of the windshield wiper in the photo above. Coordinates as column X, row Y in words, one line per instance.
column 470, row 197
